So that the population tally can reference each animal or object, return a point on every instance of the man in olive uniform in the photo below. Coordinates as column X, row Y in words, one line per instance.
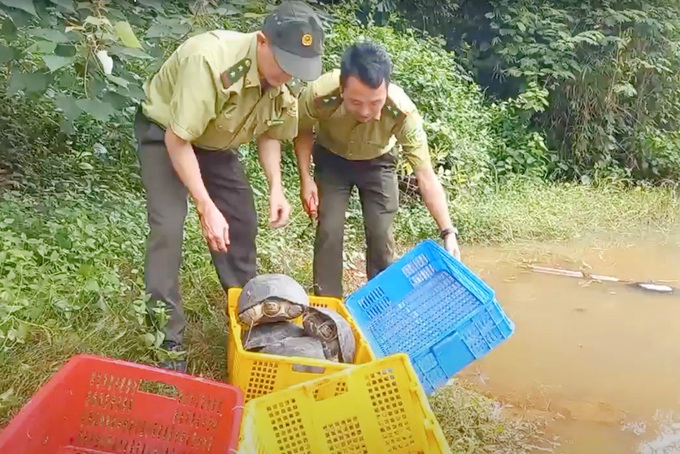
column 219, row 90
column 359, row 118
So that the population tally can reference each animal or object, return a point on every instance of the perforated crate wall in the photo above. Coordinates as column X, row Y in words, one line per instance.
column 99, row 405
column 258, row 374
column 432, row 307
column 377, row 407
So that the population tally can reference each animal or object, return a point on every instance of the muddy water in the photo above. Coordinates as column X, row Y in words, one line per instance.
column 600, row 362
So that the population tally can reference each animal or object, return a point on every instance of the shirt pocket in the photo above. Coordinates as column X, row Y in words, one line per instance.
column 275, row 115
column 229, row 117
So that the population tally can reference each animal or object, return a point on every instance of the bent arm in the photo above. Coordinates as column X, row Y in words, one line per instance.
column 185, row 164
column 411, row 134
column 269, row 155
column 191, row 109
column 434, row 196
column 303, row 143
column 303, row 154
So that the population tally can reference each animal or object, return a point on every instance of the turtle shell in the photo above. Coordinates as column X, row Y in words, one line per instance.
column 270, row 333
column 305, row 347
column 333, row 331
column 269, row 298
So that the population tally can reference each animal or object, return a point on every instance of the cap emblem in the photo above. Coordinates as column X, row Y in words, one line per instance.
column 307, row 39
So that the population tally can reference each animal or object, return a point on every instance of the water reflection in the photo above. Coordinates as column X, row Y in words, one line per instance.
column 600, row 361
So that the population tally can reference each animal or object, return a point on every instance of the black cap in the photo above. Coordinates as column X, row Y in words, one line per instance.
column 296, row 36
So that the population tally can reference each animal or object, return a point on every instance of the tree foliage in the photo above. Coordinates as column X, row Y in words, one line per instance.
column 608, row 71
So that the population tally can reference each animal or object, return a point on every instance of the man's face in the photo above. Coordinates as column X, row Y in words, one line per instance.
column 362, row 101
column 268, row 67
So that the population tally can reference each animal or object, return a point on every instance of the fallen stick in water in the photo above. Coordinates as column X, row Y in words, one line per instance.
column 650, row 285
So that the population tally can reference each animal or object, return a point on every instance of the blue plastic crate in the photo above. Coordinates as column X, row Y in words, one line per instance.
column 432, row 307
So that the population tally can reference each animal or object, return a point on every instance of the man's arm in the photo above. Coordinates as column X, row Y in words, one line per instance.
column 303, row 154
column 269, row 154
column 191, row 110
column 303, row 143
column 433, row 194
column 186, row 165
column 411, row 134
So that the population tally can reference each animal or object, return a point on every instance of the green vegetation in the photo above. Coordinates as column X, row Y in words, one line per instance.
column 604, row 75
column 72, row 224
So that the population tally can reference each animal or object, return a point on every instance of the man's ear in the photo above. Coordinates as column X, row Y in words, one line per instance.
column 261, row 38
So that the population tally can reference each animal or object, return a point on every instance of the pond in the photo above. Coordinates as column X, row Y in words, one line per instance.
column 599, row 361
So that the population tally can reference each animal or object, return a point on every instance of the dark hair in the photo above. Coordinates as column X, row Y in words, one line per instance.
column 368, row 62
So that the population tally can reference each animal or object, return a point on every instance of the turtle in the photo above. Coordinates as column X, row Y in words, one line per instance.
column 305, row 347
column 270, row 333
column 271, row 298
column 333, row 331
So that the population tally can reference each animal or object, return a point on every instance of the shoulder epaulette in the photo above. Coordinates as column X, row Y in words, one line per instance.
column 295, row 86
column 234, row 73
column 393, row 111
column 329, row 101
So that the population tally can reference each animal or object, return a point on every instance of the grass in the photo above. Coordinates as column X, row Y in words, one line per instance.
column 70, row 276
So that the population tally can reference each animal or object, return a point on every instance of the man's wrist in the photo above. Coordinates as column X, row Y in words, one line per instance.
column 202, row 205
column 444, row 233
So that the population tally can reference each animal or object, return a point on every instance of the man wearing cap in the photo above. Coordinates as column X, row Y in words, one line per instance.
column 360, row 118
column 219, row 90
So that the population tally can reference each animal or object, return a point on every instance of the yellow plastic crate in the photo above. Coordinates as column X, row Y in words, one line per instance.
column 260, row 373
column 378, row 407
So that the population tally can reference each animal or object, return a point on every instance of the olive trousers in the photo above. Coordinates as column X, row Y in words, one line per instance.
column 376, row 181
column 166, row 203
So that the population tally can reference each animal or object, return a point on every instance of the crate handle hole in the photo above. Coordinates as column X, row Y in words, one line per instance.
column 330, row 390
column 159, row 388
column 309, row 369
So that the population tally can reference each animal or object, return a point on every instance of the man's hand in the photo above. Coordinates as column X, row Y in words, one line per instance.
column 451, row 245
column 215, row 227
column 309, row 194
column 279, row 208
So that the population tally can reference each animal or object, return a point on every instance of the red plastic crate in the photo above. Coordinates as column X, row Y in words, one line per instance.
column 97, row 405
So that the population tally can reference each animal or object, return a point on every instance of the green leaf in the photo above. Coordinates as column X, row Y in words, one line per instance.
column 127, row 35
column 155, row 4
column 49, row 34
column 130, row 52
column 98, row 21
column 9, row 30
column 118, row 81
column 29, row 82
column 65, row 50
column 20, row 18
column 6, row 54
column 42, row 47
column 68, row 106
column 117, row 101
column 56, row 62
column 24, row 5
column 97, row 109
column 65, row 4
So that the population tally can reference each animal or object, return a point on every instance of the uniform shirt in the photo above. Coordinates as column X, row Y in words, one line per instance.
column 398, row 122
column 209, row 93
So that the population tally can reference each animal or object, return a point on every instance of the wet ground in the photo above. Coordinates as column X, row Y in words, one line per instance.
column 599, row 361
